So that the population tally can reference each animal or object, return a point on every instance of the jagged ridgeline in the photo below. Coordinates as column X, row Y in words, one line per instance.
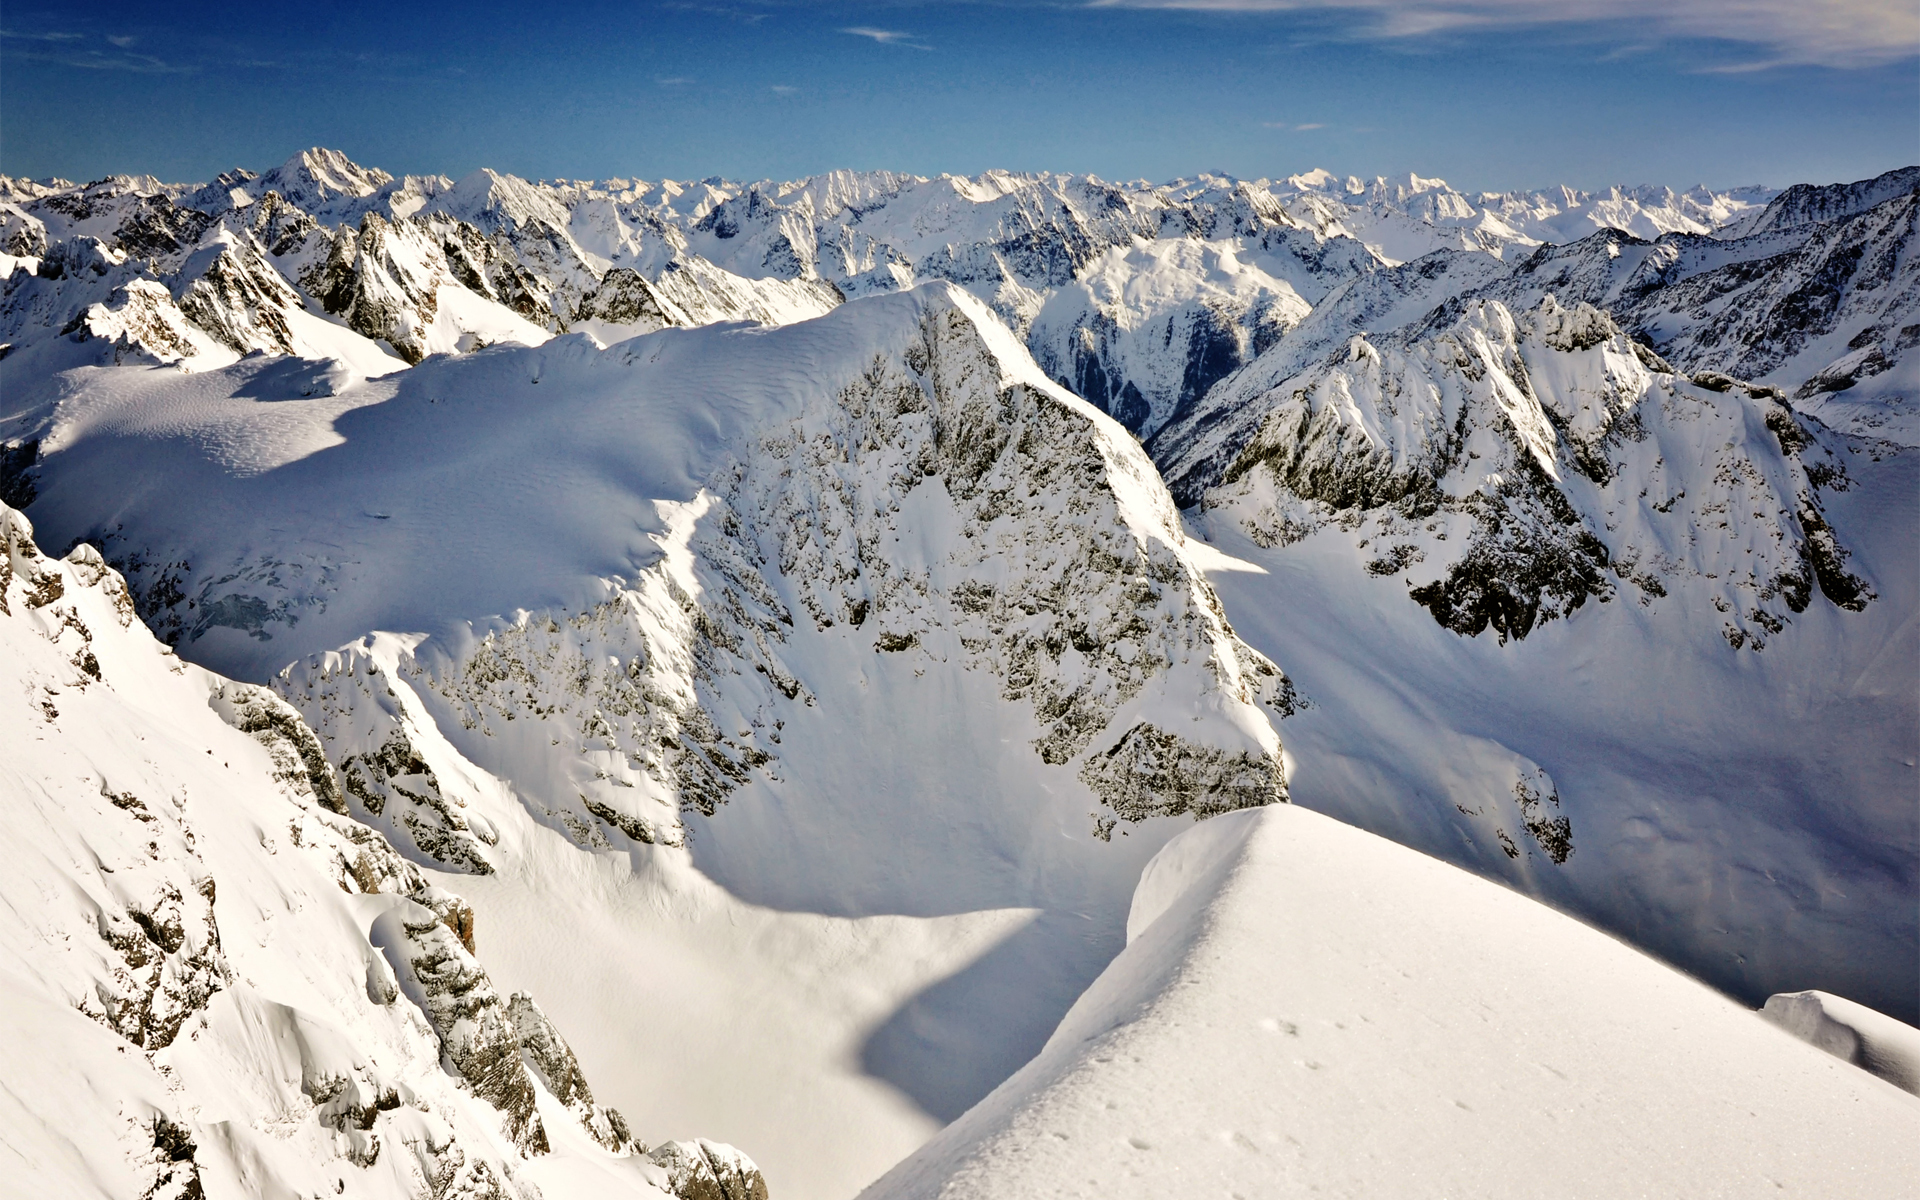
column 247, row 988
column 896, row 482
column 1137, row 296
column 797, row 542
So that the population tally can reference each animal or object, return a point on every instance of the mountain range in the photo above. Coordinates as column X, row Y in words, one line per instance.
column 770, row 628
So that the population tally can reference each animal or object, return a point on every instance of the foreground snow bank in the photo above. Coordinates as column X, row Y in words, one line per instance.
column 1305, row 1006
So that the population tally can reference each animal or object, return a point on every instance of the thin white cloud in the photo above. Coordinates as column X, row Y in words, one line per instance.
column 674, row 81
column 1290, row 127
column 888, row 37
column 71, row 50
column 781, row 89
column 1834, row 33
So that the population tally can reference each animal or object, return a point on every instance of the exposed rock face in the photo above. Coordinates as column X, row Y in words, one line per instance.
column 159, row 960
column 299, row 762
column 1140, row 297
column 546, row 1052
column 1809, row 203
column 1150, row 772
column 476, row 1036
column 704, row 1170
column 625, row 299
column 380, row 291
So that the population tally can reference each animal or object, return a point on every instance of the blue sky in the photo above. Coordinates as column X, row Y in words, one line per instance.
column 1485, row 93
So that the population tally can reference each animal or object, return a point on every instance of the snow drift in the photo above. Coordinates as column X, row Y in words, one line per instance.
column 1304, row 1006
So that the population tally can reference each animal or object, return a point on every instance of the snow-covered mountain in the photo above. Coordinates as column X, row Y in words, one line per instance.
column 802, row 575
column 220, row 984
column 1139, row 296
column 756, row 603
column 1683, row 569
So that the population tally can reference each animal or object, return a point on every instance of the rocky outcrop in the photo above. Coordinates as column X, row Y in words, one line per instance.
column 625, row 299
column 476, row 1036
column 704, row 1170
column 369, row 734
column 1151, row 772
column 548, row 1054
column 300, row 764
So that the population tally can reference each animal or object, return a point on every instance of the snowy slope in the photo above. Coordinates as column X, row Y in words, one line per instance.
column 861, row 619
column 217, row 982
column 1807, row 203
column 1305, row 1008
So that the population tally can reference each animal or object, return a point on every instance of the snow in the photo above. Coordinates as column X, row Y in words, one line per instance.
column 1303, row 1006
column 184, row 948
column 914, row 877
column 797, row 698
column 1746, row 814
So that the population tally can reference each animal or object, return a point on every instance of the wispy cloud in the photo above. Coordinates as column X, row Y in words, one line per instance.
column 888, row 37
column 674, row 81
column 1290, row 127
column 1832, row 33
column 782, row 89
column 73, row 50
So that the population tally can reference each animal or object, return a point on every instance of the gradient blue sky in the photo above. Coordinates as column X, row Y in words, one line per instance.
column 1489, row 94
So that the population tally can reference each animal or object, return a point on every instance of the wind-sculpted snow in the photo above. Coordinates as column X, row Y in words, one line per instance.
column 216, row 983
column 753, row 598
column 869, row 581
column 1292, row 987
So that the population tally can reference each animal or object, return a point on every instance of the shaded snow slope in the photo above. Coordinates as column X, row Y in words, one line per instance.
column 1821, row 310
column 1632, row 641
column 1303, row 1007
column 700, row 506
column 217, row 983
column 1745, row 814
column 1515, row 464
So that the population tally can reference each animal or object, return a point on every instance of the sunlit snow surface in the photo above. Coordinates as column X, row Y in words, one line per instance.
column 183, row 945
column 1304, row 1008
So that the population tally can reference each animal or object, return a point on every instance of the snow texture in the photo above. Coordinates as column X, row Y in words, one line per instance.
column 745, row 612
column 1303, row 1006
